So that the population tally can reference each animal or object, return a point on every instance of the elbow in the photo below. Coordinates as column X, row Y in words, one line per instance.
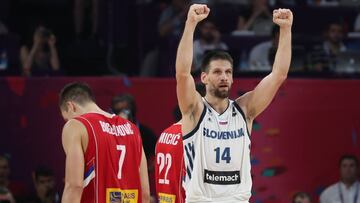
column 72, row 193
column 280, row 77
column 181, row 75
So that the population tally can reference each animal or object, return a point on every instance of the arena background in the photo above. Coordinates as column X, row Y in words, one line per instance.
column 296, row 142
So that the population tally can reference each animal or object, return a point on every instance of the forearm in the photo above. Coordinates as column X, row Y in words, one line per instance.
column 145, row 196
column 283, row 54
column 184, row 56
column 54, row 59
column 30, row 58
column 72, row 194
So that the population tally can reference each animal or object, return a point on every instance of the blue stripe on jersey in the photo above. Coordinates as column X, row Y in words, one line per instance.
column 191, row 148
column 188, row 172
column 197, row 125
column 189, row 157
column 91, row 169
column 243, row 115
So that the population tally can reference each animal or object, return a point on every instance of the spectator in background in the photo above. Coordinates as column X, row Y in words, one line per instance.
column 80, row 7
column 257, row 19
column 172, row 18
column 9, row 189
column 124, row 105
column 209, row 40
column 40, row 58
column 44, row 183
column 301, row 197
column 5, row 193
column 348, row 188
column 323, row 57
column 4, row 172
column 170, row 26
column 262, row 55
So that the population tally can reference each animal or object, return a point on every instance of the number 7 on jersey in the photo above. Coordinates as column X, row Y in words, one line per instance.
column 122, row 150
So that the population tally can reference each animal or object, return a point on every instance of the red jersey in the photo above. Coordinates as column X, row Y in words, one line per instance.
column 169, row 166
column 112, row 160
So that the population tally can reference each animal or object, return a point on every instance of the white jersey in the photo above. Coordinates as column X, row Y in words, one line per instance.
column 217, row 157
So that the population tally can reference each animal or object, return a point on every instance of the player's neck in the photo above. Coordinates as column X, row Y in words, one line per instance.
column 217, row 103
column 93, row 108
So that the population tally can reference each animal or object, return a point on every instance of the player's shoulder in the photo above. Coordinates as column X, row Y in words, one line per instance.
column 175, row 127
column 73, row 129
column 73, row 125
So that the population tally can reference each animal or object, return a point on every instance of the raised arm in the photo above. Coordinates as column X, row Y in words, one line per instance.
column 189, row 100
column 74, row 165
column 254, row 102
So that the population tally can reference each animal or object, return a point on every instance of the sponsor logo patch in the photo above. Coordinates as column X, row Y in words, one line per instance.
column 222, row 177
column 116, row 195
column 166, row 198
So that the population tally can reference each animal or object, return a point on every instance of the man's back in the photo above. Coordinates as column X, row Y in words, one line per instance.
column 169, row 165
column 112, row 159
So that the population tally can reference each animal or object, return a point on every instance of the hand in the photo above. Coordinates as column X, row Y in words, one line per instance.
column 283, row 17
column 198, row 12
column 52, row 40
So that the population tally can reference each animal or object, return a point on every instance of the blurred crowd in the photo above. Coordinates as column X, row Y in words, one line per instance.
column 139, row 38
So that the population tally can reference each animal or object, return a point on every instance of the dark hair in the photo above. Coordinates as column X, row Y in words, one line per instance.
column 215, row 55
column 77, row 92
column 349, row 157
column 43, row 171
column 301, row 195
column 129, row 99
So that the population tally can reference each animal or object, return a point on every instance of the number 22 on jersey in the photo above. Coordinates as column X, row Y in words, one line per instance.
column 164, row 160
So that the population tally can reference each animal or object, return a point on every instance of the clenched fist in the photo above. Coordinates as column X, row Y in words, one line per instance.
column 283, row 17
column 198, row 12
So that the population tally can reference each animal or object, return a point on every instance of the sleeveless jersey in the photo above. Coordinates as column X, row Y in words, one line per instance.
column 112, row 160
column 217, row 157
column 169, row 165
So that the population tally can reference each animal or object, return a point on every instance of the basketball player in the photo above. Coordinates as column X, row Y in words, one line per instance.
column 105, row 161
column 216, row 130
column 169, row 167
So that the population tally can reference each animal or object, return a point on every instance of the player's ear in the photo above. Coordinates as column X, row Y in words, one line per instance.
column 71, row 107
column 203, row 77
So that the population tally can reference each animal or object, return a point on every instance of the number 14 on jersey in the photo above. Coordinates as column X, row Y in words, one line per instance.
column 225, row 155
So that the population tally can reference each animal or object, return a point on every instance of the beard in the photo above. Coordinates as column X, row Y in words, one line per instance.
column 221, row 93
